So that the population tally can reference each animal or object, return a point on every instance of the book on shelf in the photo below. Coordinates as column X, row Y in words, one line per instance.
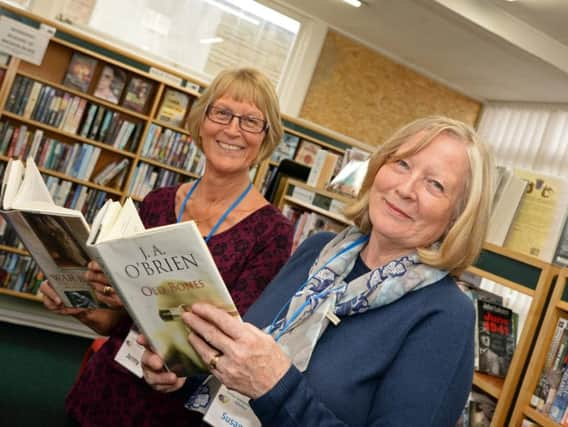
column 350, row 178
column 508, row 195
column 80, row 72
column 110, row 84
column 496, row 338
column 536, row 229
column 323, row 168
column 137, row 94
column 306, row 153
column 286, row 148
column 54, row 236
column 173, row 108
column 158, row 273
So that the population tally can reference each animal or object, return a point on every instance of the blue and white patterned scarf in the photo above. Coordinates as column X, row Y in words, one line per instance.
column 327, row 292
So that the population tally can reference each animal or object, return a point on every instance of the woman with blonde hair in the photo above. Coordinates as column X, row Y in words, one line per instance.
column 366, row 327
column 237, row 124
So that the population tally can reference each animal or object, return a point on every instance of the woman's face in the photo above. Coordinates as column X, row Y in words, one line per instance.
column 228, row 148
column 413, row 200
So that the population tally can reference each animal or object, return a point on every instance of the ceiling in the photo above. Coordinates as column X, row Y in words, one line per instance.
column 486, row 49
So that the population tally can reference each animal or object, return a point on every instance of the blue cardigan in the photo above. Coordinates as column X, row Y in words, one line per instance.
column 409, row 363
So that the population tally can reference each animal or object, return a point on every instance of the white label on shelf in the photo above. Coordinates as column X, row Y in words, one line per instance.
column 303, row 195
column 23, row 41
column 167, row 77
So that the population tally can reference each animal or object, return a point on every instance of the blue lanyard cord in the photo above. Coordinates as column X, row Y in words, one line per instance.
column 223, row 217
column 361, row 240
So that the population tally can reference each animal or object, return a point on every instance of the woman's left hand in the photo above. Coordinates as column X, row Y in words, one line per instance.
column 241, row 356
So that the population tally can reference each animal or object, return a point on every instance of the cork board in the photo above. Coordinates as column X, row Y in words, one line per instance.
column 365, row 95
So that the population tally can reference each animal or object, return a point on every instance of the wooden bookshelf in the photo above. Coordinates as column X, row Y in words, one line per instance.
column 532, row 277
column 556, row 308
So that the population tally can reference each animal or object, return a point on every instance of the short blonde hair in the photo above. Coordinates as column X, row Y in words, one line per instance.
column 461, row 244
column 243, row 85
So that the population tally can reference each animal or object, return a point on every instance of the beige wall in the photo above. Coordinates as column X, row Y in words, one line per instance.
column 363, row 94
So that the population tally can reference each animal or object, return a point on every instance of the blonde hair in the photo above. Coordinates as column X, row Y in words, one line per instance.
column 461, row 244
column 243, row 85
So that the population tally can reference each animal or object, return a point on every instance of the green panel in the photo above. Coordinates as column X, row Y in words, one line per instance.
column 22, row 19
column 316, row 135
column 513, row 270
column 39, row 368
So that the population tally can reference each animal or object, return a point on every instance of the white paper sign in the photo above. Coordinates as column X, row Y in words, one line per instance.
column 23, row 41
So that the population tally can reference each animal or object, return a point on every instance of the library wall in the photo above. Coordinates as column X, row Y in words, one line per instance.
column 361, row 93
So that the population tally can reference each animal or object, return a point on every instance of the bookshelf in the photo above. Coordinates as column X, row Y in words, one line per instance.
column 534, row 278
column 557, row 307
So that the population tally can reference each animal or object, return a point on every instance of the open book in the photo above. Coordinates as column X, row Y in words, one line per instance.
column 158, row 273
column 55, row 236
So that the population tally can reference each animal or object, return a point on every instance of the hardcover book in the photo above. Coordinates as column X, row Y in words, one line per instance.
column 110, row 84
column 286, row 148
column 80, row 72
column 159, row 273
column 173, row 108
column 306, row 153
column 496, row 338
column 137, row 94
column 54, row 236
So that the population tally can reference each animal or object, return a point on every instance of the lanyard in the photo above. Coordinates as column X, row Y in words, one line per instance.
column 223, row 217
column 361, row 240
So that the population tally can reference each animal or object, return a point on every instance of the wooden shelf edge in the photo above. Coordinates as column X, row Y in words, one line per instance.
column 23, row 295
column 488, row 383
column 539, row 417
column 332, row 215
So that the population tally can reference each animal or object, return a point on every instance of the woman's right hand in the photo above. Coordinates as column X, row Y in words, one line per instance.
column 53, row 303
column 155, row 373
column 101, row 285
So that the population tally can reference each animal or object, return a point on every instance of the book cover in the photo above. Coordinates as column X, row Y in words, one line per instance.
column 54, row 236
column 110, row 84
column 538, row 223
column 137, row 94
column 173, row 108
column 80, row 72
column 506, row 203
column 306, row 153
column 496, row 338
column 286, row 148
column 159, row 273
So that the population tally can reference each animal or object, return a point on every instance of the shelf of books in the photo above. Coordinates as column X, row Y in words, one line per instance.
column 543, row 398
column 510, row 292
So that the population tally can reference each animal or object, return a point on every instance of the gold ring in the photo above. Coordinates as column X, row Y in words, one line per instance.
column 107, row 291
column 213, row 361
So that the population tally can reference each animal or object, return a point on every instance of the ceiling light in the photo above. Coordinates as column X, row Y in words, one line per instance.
column 211, row 40
column 232, row 11
column 354, row 3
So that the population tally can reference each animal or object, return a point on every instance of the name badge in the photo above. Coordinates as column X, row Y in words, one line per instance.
column 129, row 354
column 229, row 408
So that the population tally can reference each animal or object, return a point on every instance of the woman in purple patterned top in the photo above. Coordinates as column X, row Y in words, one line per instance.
column 249, row 245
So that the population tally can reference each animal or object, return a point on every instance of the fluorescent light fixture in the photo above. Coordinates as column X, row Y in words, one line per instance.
column 267, row 14
column 211, row 40
column 354, row 3
column 232, row 11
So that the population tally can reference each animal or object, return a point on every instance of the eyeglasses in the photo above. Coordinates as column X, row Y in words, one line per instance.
column 224, row 116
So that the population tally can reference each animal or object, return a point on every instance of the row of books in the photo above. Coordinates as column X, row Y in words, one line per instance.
column 478, row 410
column 8, row 236
column 530, row 211
column 110, row 127
column 308, row 223
column 551, row 393
column 113, row 174
column 19, row 273
column 45, row 104
column 170, row 147
column 75, row 196
column 146, row 177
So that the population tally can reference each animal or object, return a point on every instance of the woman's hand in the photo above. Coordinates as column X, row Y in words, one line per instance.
column 100, row 284
column 53, row 303
column 155, row 373
column 241, row 356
